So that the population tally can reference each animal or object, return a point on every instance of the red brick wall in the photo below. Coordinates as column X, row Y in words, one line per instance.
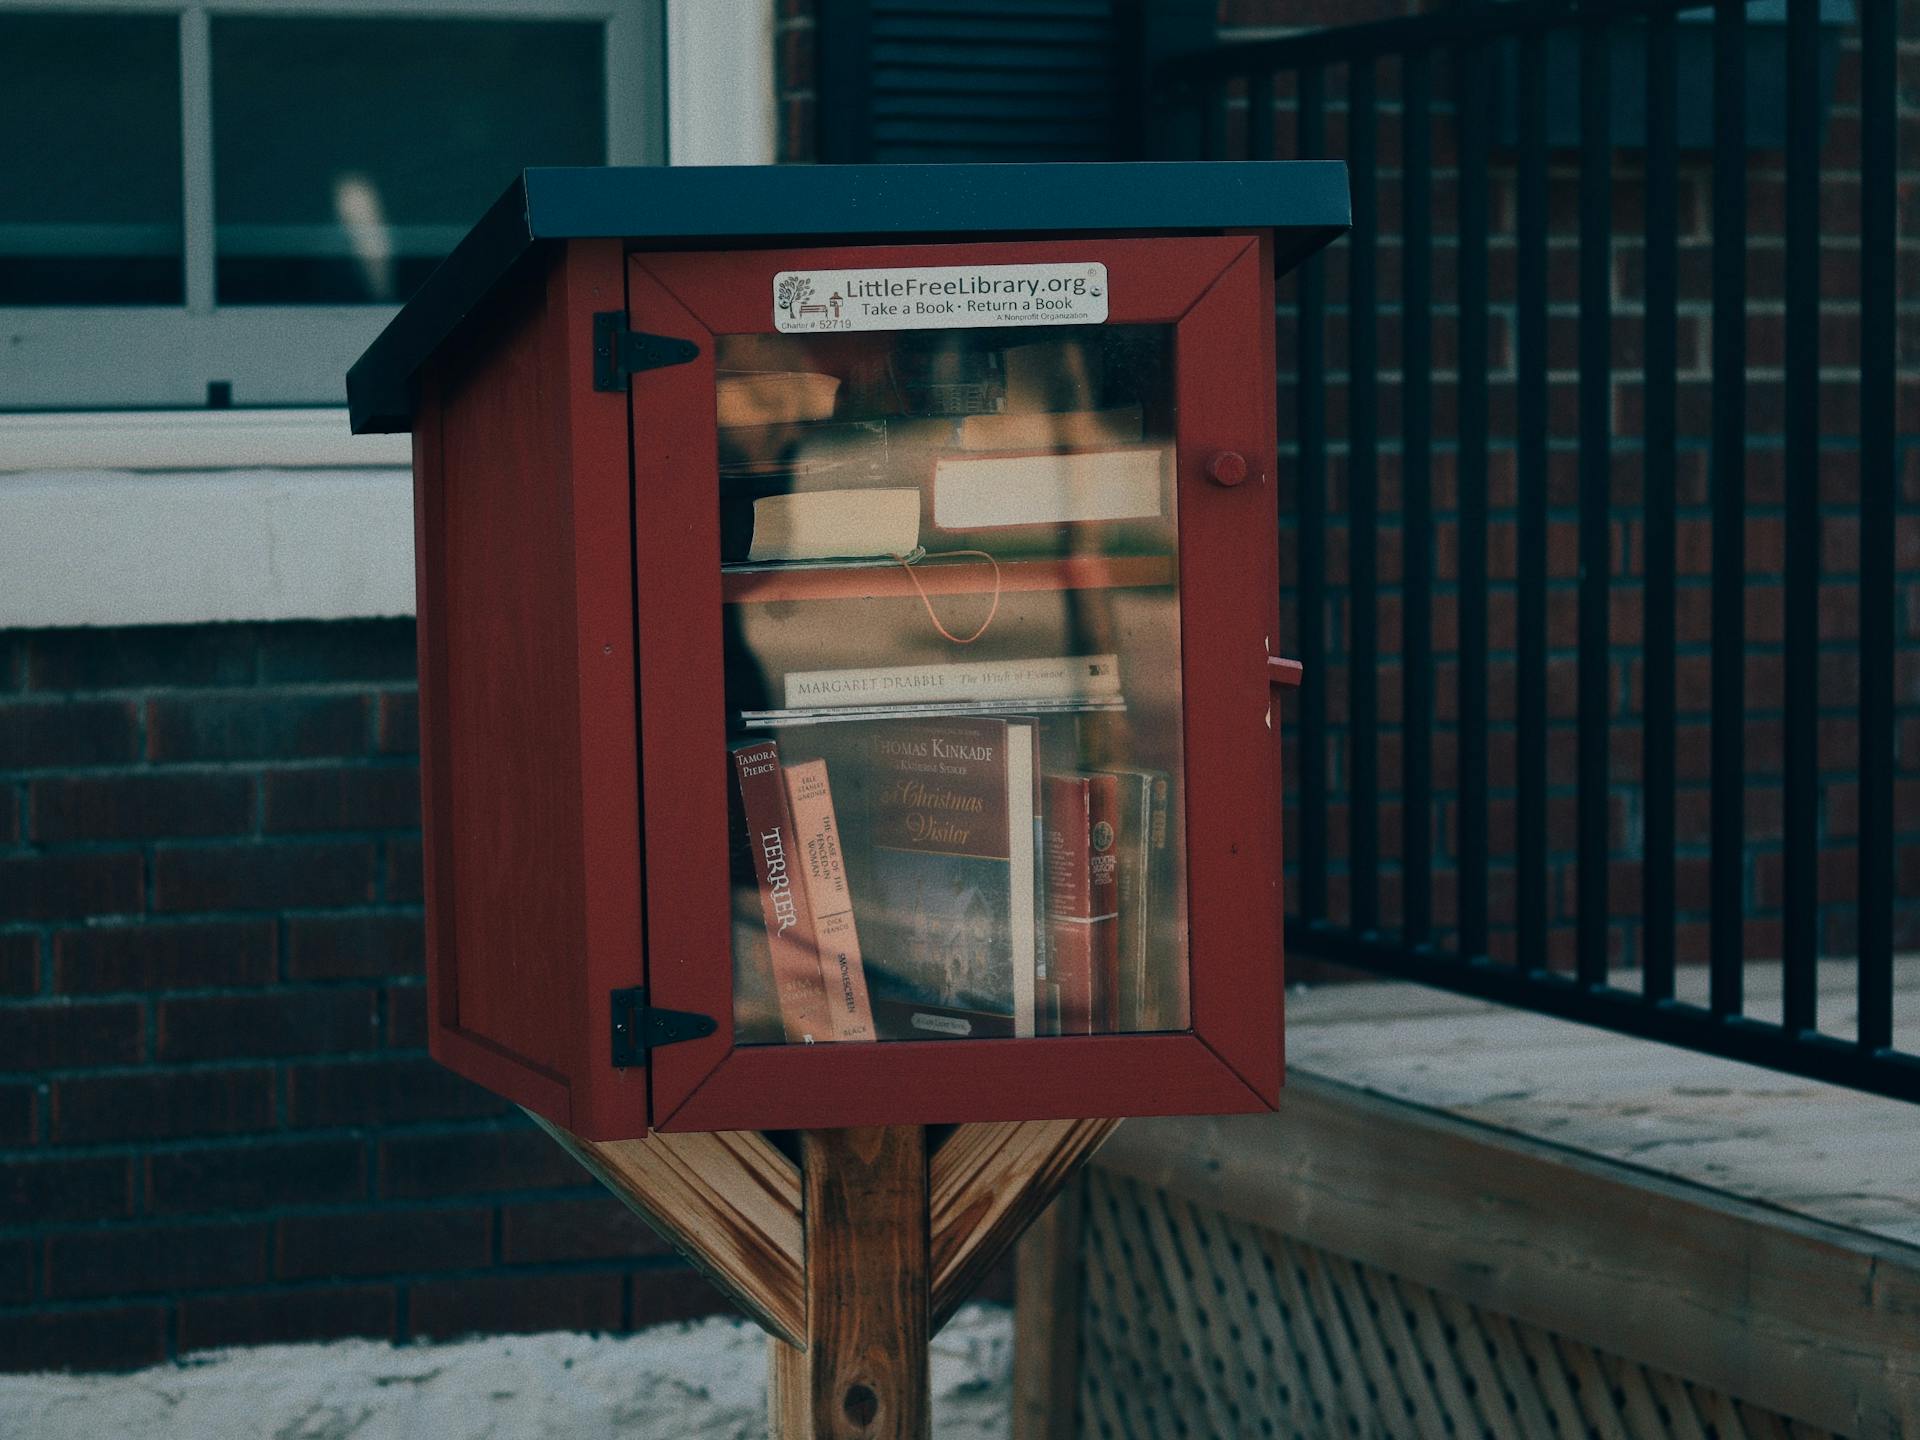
column 218, row 1121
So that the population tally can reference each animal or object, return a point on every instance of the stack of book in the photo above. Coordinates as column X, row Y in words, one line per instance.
column 1064, row 683
column 801, row 487
column 926, row 877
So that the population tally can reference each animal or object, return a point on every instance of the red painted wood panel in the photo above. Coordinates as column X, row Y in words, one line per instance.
column 510, row 702
column 526, row 677
column 1228, row 618
column 683, row 755
column 940, row 1081
column 608, row 1103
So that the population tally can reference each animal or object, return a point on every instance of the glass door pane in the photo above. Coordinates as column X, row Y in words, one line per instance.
column 953, row 693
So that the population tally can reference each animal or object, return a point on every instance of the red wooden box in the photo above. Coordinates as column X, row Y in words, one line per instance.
column 558, row 374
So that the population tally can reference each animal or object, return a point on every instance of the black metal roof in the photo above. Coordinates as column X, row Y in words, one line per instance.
column 692, row 205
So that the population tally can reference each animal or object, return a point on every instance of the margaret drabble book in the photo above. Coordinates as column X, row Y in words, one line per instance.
column 950, row 830
column 792, row 951
column 821, row 862
column 1073, row 679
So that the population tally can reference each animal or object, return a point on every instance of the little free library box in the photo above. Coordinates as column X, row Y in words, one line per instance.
column 847, row 600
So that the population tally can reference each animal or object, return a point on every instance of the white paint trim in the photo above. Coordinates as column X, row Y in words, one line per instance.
column 721, row 109
column 102, row 548
column 191, row 440
column 186, row 517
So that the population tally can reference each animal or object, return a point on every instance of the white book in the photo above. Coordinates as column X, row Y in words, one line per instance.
column 1058, row 677
column 1020, row 747
column 975, row 492
column 779, row 719
column 821, row 525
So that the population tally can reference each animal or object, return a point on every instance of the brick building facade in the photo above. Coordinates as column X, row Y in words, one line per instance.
column 218, row 1123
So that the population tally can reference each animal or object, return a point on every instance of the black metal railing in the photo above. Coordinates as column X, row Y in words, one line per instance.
column 1603, row 323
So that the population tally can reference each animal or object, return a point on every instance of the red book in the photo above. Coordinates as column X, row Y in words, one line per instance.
column 1083, row 901
column 792, row 948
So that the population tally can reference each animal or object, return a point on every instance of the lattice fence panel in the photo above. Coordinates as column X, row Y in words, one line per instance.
column 1198, row 1326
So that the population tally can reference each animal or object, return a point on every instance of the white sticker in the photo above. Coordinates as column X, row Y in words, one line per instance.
column 943, row 297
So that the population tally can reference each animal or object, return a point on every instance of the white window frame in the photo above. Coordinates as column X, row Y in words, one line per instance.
column 104, row 357
column 182, row 516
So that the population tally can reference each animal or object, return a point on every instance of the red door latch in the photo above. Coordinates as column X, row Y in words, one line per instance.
column 1284, row 672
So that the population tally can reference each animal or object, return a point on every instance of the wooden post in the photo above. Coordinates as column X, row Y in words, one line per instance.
column 851, row 1259
column 1046, row 1319
column 863, row 1374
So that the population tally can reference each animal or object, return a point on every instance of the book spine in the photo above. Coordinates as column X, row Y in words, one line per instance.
column 1024, row 917
column 1063, row 677
column 791, row 946
column 816, row 831
column 1069, row 901
column 1103, row 903
column 1167, row 958
column 1046, row 1020
column 1131, row 850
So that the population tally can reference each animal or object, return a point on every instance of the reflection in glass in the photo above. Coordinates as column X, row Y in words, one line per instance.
column 351, row 154
column 90, row 160
column 950, row 568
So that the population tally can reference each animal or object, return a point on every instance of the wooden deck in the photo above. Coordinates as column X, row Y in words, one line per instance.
column 1748, row 1232
column 1825, row 1153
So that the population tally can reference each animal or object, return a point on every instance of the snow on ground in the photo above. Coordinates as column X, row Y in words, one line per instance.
column 701, row 1381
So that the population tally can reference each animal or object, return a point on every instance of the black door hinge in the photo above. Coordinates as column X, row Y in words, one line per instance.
column 620, row 353
column 640, row 1028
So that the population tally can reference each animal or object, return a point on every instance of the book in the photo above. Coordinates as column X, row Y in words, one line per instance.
column 979, row 492
column 819, row 525
column 1144, row 853
column 1083, row 901
column 816, row 834
column 801, row 451
column 793, row 955
column 1044, row 1018
column 950, row 861
column 771, row 397
column 861, row 714
column 1052, row 678
column 1061, row 430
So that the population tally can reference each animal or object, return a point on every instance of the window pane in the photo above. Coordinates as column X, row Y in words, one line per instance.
column 90, row 160
column 952, row 629
column 350, row 155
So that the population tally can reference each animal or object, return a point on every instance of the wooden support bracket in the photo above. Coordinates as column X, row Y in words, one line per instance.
column 988, row 1183
column 729, row 1202
column 854, row 1256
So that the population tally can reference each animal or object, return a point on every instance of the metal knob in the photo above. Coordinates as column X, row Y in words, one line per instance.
column 1228, row 467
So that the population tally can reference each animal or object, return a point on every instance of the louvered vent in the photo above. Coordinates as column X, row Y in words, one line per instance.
column 993, row 80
